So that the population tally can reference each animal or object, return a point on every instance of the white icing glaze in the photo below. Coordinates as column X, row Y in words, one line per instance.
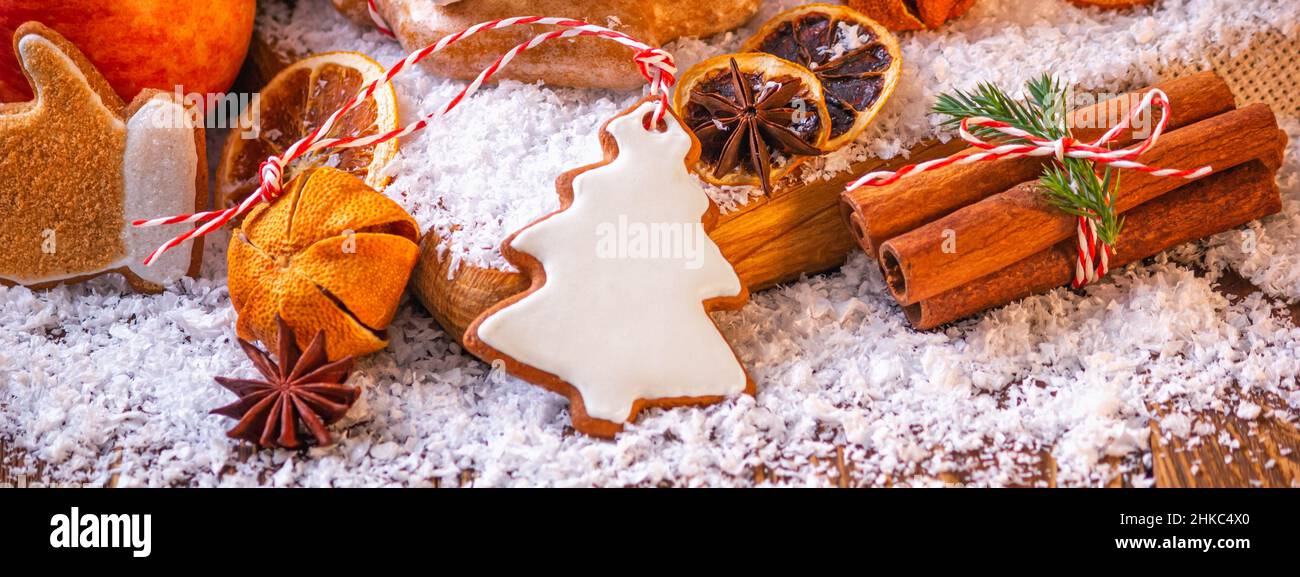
column 160, row 171
column 622, row 329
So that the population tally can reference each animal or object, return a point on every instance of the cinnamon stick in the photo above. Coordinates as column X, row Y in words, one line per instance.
column 1005, row 228
column 877, row 214
column 1203, row 208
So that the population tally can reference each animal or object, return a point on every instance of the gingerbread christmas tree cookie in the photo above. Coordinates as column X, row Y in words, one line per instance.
column 623, row 279
column 77, row 165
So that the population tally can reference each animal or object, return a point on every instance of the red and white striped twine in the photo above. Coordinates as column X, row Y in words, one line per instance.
column 379, row 20
column 655, row 64
column 1093, row 255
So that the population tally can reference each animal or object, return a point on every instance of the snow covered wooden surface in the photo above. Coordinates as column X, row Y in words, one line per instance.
column 104, row 387
column 1260, row 447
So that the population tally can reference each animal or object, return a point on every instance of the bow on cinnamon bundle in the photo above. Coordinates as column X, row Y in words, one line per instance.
column 953, row 239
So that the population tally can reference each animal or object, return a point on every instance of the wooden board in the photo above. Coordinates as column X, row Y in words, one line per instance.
column 1261, row 452
column 1264, row 452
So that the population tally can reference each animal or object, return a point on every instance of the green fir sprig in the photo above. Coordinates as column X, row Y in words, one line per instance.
column 1072, row 187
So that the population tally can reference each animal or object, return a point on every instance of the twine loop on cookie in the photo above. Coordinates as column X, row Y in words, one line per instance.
column 1094, row 255
column 655, row 64
column 379, row 19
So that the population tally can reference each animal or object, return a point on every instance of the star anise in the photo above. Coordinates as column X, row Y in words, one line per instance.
column 756, row 122
column 302, row 390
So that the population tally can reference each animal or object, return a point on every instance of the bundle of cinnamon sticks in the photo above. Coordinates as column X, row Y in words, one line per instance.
column 959, row 240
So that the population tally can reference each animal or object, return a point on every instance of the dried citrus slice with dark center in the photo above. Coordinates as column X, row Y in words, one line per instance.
column 297, row 101
column 857, row 61
column 757, row 117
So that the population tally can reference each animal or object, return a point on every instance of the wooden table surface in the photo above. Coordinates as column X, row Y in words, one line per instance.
column 1264, row 452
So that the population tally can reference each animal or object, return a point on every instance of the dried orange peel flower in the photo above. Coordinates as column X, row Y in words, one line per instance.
column 330, row 255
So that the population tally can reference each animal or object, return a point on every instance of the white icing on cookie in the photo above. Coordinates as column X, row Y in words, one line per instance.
column 160, row 170
column 617, row 319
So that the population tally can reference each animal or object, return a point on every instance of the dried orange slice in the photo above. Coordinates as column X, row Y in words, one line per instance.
column 295, row 102
column 857, row 61
column 757, row 117
column 329, row 255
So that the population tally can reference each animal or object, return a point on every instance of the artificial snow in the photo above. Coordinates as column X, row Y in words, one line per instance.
column 98, row 381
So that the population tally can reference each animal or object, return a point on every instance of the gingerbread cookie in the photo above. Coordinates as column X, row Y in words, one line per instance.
column 584, row 62
column 623, row 278
column 78, row 165
column 357, row 11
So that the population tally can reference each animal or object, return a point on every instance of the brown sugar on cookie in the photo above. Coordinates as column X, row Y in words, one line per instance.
column 623, row 277
column 77, row 165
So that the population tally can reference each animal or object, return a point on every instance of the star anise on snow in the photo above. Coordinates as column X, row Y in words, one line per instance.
column 303, row 389
column 757, row 123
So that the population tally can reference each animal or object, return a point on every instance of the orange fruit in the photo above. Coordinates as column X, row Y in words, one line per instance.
column 295, row 102
column 857, row 61
column 912, row 14
column 331, row 255
column 757, row 117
